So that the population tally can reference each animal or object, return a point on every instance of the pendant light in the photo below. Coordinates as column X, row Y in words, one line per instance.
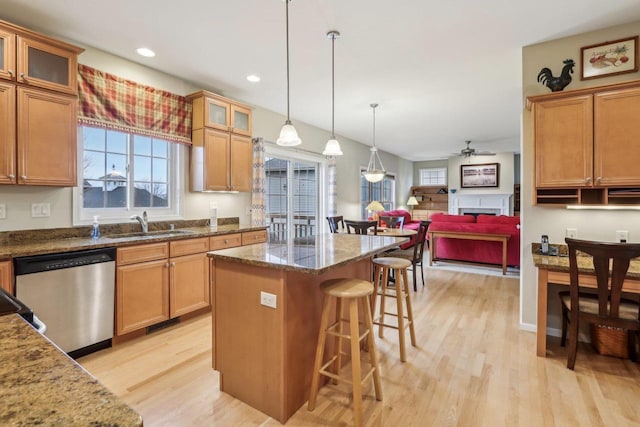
column 373, row 173
column 333, row 146
column 288, row 134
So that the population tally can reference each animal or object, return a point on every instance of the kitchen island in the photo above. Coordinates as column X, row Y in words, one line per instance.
column 267, row 301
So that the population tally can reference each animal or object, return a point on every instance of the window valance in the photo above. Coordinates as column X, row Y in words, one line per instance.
column 112, row 102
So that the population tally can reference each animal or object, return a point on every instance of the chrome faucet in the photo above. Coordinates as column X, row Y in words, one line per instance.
column 144, row 221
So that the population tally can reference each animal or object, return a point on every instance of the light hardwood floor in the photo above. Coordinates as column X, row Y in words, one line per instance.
column 472, row 367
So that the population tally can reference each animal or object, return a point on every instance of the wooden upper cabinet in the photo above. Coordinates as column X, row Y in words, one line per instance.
column 7, row 133
column 616, row 139
column 241, row 120
column 241, row 158
column 47, row 136
column 564, row 142
column 36, row 60
column 222, row 153
column 7, row 54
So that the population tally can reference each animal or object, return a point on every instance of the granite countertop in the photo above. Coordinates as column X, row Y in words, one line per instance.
column 585, row 264
column 313, row 254
column 59, row 242
column 43, row 386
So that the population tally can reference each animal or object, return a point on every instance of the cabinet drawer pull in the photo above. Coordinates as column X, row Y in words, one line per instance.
column 226, row 241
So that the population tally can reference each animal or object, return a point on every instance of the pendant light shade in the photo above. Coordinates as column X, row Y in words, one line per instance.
column 375, row 171
column 333, row 146
column 288, row 134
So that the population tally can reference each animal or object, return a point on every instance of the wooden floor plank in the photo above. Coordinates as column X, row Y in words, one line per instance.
column 473, row 366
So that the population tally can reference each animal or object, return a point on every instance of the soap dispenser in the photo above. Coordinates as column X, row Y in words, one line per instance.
column 95, row 231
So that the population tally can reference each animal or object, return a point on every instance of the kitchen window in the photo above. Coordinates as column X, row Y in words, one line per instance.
column 122, row 173
column 383, row 191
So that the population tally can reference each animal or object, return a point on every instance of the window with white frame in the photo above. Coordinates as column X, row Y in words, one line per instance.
column 122, row 172
column 433, row 176
column 382, row 191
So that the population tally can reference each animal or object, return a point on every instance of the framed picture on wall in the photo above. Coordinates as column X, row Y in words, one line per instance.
column 609, row 58
column 478, row 176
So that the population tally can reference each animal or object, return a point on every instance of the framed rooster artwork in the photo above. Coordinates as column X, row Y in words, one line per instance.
column 609, row 58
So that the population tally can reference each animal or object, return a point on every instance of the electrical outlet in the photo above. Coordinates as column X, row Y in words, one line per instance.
column 40, row 210
column 622, row 236
column 3, row 211
column 268, row 300
column 572, row 233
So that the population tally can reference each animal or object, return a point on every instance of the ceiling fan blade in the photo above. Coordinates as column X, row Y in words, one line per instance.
column 483, row 153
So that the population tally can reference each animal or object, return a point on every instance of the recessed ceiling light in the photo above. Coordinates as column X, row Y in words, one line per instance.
column 146, row 52
column 253, row 78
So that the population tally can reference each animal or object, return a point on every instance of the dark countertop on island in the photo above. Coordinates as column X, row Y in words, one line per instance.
column 40, row 385
column 313, row 254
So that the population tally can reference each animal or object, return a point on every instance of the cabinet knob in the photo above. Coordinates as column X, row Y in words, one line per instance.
column 588, row 180
column 10, row 72
column 11, row 176
column 23, row 177
column 22, row 76
column 226, row 241
column 599, row 180
column 173, row 264
column 166, row 264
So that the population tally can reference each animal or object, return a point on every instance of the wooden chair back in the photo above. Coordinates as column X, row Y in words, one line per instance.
column 391, row 221
column 361, row 227
column 610, row 265
column 335, row 223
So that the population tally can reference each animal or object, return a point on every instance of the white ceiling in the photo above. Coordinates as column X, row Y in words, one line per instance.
column 442, row 72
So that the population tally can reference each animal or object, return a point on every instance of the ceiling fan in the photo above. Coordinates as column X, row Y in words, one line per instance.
column 468, row 151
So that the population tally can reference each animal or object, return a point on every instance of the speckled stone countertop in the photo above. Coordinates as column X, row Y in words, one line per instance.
column 40, row 385
column 585, row 263
column 35, row 242
column 314, row 254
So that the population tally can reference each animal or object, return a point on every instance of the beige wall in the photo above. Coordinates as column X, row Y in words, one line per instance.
column 537, row 220
column 18, row 199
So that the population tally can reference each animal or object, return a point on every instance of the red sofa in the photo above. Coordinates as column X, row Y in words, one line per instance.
column 408, row 224
column 477, row 250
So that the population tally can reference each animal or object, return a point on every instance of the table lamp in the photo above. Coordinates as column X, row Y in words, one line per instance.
column 375, row 207
column 411, row 203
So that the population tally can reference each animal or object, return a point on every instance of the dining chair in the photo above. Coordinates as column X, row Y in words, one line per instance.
column 415, row 253
column 606, row 307
column 391, row 221
column 335, row 223
column 361, row 227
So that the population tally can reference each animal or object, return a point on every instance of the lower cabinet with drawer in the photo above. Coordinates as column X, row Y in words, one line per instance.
column 159, row 281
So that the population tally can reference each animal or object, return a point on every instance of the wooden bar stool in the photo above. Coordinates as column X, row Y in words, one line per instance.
column 354, row 291
column 382, row 267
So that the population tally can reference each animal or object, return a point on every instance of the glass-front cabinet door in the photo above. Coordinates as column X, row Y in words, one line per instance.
column 7, row 55
column 46, row 66
column 240, row 120
column 217, row 114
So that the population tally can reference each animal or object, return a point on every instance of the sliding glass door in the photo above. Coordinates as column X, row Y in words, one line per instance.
column 292, row 197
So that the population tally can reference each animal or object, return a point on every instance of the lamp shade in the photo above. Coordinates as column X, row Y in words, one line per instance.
column 375, row 206
column 288, row 136
column 332, row 148
column 412, row 201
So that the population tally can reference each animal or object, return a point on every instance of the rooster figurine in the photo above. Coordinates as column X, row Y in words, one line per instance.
column 556, row 84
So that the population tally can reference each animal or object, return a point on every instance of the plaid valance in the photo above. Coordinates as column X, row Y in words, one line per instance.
column 112, row 102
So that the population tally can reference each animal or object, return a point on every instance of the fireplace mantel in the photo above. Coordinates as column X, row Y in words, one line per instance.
column 489, row 203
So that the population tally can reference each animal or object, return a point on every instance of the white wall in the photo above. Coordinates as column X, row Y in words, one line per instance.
column 18, row 199
column 505, row 181
column 538, row 220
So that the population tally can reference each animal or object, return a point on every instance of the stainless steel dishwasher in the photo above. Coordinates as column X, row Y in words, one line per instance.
column 73, row 294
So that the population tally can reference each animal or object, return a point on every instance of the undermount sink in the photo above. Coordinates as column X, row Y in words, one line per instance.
column 157, row 233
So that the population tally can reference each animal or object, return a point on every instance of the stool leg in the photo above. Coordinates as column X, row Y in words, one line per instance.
column 399, row 300
column 337, row 340
column 322, row 336
column 383, row 294
column 376, row 285
column 407, row 296
column 372, row 351
column 355, row 361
